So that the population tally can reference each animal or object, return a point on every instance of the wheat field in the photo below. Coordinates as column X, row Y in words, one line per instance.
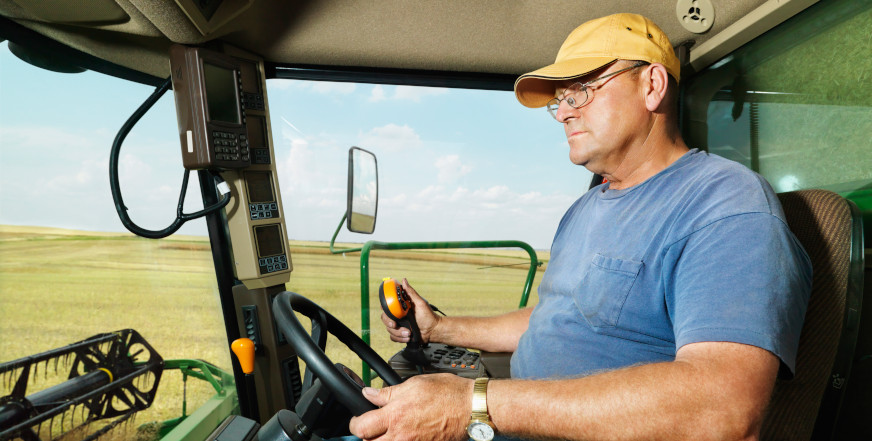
column 61, row 286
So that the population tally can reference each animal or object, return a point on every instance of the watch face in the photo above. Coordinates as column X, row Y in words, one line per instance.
column 479, row 431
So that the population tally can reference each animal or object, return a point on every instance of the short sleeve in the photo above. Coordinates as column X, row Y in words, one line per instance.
column 743, row 278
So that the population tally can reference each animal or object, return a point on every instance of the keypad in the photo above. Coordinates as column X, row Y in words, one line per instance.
column 273, row 264
column 268, row 210
column 443, row 358
column 229, row 146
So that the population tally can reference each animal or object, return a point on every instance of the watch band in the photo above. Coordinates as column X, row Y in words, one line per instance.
column 479, row 401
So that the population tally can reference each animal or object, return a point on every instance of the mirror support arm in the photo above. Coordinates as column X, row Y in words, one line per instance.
column 333, row 239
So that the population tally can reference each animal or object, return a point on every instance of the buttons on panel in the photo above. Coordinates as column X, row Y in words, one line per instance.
column 241, row 95
column 273, row 264
column 263, row 211
column 229, row 146
column 254, row 101
column 442, row 358
column 261, row 156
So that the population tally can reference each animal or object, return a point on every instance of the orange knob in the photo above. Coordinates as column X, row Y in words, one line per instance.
column 396, row 299
column 244, row 350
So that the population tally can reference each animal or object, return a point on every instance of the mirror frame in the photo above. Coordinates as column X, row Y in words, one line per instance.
column 350, row 194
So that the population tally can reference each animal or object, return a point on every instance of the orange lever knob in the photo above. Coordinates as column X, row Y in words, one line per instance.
column 244, row 350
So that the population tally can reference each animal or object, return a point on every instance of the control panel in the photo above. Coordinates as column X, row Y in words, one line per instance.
column 224, row 126
column 255, row 216
column 442, row 359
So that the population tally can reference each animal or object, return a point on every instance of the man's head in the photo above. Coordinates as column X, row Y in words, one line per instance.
column 592, row 46
column 614, row 88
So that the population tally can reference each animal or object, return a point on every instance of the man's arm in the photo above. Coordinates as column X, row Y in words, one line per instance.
column 495, row 334
column 712, row 390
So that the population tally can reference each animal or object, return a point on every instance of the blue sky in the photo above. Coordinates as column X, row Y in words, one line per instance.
column 453, row 164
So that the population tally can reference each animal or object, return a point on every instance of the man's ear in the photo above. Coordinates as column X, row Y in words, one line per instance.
column 655, row 82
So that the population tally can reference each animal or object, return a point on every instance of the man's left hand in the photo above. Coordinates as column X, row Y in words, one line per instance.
column 423, row 408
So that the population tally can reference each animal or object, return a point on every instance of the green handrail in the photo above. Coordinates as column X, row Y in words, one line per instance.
column 375, row 245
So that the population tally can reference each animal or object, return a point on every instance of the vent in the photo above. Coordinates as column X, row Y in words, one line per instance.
column 696, row 16
column 252, row 325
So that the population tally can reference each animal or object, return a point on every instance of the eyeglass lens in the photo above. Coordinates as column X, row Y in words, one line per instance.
column 575, row 95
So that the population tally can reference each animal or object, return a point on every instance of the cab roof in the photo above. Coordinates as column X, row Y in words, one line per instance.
column 496, row 39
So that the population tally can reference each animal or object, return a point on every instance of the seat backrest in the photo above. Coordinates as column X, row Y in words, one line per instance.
column 830, row 229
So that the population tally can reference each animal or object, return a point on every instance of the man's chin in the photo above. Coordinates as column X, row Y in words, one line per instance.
column 582, row 160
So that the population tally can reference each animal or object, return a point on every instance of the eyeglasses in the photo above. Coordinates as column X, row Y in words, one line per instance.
column 578, row 95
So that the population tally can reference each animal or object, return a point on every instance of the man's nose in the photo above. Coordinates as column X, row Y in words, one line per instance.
column 565, row 112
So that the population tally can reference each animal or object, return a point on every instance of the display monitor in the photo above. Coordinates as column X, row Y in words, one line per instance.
column 209, row 104
column 221, row 94
column 262, row 202
column 271, row 254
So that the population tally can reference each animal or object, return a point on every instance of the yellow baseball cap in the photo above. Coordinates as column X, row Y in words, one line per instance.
column 593, row 45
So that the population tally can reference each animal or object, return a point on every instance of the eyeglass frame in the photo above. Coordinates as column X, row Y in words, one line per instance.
column 554, row 103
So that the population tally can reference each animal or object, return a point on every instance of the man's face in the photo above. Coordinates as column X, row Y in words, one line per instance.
column 602, row 132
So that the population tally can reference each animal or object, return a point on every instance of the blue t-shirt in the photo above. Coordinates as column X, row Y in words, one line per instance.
column 699, row 252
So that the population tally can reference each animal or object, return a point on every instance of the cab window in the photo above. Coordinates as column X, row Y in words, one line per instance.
column 794, row 107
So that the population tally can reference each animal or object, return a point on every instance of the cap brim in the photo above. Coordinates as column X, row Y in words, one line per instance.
column 536, row 88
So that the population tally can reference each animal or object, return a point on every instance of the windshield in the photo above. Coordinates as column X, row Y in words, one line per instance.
column 454, row 165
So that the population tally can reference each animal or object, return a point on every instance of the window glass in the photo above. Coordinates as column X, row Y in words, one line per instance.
column 794, row 106
column 68, row 268
column 454, row 165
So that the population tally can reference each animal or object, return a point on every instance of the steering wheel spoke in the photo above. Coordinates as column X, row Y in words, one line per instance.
column 319, row 336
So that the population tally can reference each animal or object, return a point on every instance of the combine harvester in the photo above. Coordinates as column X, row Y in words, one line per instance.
column 763, row 83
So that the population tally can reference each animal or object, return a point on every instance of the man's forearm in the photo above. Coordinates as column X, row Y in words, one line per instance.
column 495, row 334
column 695, row 398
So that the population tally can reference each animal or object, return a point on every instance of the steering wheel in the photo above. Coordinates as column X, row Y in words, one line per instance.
column 345, row 391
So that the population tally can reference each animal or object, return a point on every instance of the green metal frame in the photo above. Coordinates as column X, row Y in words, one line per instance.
column 200, row 424
column 367, row 248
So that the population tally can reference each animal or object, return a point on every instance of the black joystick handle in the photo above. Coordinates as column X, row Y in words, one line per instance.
column 397, row 304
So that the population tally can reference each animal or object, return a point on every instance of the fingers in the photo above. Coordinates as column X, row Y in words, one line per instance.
column 370, row 425
column 379, row 397
column 425, row 317
column 424, row 407
column 419, row 301
column 397, row 334
column 373, row 423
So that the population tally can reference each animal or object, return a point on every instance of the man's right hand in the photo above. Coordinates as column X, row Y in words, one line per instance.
column 427, row 320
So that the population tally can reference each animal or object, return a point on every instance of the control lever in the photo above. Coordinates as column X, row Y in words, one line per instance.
column 244, row 350
column 397, row 304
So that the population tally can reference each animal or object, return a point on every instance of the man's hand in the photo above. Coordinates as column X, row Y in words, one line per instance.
column 427, row 320
column 423, row 408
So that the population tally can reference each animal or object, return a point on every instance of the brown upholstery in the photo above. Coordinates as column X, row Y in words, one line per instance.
column 823, row 223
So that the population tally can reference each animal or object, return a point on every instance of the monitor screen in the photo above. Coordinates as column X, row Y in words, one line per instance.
column 222, row 97
column 259, row 187
column 269, row 240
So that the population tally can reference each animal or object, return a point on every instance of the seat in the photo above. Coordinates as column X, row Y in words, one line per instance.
column 807, row 406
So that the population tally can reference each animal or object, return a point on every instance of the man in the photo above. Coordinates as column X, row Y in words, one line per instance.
column 674, row 294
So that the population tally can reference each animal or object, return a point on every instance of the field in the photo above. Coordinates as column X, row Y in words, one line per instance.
column 61, row 286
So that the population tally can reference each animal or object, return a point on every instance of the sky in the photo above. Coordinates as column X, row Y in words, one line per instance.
column 453, row 164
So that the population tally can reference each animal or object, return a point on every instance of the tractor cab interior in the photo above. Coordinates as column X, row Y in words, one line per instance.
column 775, row 85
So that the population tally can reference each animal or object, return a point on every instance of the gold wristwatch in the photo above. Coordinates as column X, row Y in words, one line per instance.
column 480, row 427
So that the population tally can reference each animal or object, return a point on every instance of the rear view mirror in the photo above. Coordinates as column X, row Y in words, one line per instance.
column 362, row 190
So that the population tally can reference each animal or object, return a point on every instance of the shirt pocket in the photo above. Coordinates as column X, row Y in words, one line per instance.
column 604, row 288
